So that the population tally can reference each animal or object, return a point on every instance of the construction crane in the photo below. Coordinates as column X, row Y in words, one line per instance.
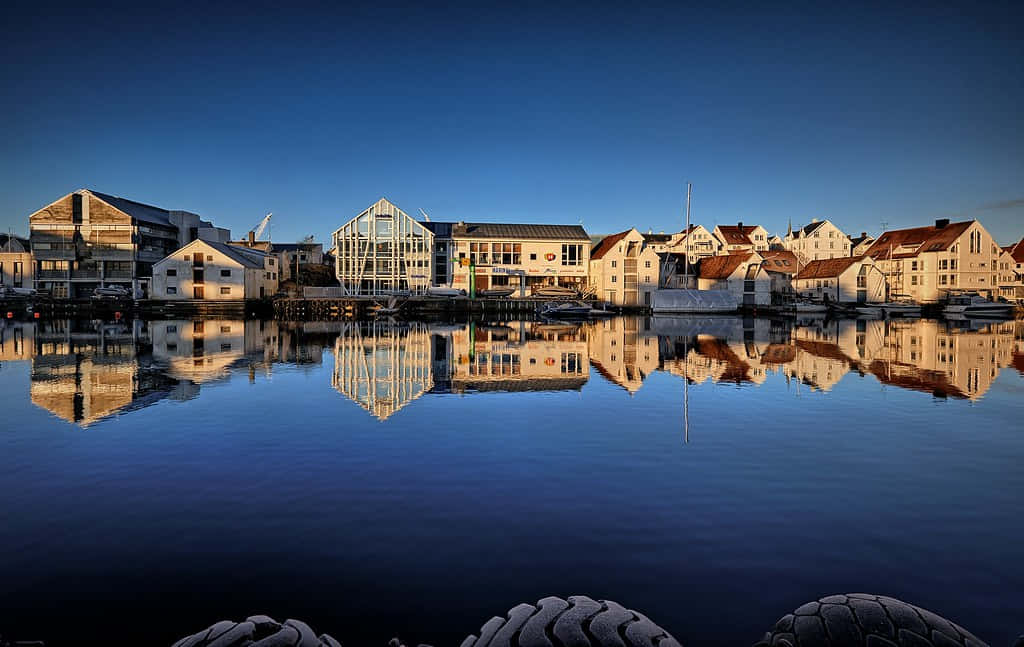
column 257, row 231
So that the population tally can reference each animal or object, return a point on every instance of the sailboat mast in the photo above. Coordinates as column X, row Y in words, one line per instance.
column 686, row 232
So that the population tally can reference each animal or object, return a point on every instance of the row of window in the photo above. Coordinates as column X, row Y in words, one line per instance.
column 174, row 290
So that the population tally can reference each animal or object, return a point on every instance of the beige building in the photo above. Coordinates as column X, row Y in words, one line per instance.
column 853, row 279
column 624, row 270
column 741, row 274
column 697, row 241
column 741, row 238
column 820, row 240
column 16, row 267
column 925, row 263
column 89, row 239
column 215, row 272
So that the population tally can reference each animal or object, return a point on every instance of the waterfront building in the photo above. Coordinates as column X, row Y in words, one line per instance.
column 624, row 270
column 782, row 265
column 1010, row 285
column 215, row 272
column 818, row 240
column 925, row 263
column 853, row 279
column 742, row 274
column 16, row 267
column 289, row 255
column 382, row 251
column 740, row 238
column 89, row 239
column 859, row 244
column 506, row 255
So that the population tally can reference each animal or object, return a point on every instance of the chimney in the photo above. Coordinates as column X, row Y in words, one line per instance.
column 252, row 239
column 740, row 225
column 863, row 234
column 941, row 223
column 814, row 220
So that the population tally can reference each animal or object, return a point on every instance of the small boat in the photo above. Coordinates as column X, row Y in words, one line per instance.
column 870, row 311
column 555, row 292
column 9, row 291
column 445, row 293
column 568, row 309
column 810, row 306
column 972, row 304
column 900, row 309
column 496, row 292
column 601, row 312
column 111, row 292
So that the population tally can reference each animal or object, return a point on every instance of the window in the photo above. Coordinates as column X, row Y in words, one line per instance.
column 533, row 257
column 647, row 264
column 615, row 279
column 270, row 262
column 209, row 257
column 172, row 348
column 913, row 266
column 172, row 329
column 225, row 328
column 225, row 272
column 268, row 275
column 225, row 290
column 572, row 254
column 172, row 290
column 172, row 272
column 913, row 280
column 615, row 263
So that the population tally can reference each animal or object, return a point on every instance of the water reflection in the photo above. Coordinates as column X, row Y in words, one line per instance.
column 85, row 371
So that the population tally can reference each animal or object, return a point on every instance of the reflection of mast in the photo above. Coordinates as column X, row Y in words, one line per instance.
column 686, row 394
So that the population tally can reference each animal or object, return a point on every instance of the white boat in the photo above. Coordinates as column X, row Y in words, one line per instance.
column 496, row 292
column 809, row 306
column 900, row 309
column 444, row 292
column 690, row 301
column 111, row 292
column 16, row 292
column 870, row 311
column 972, row 304
column 555, row 292
column 568, row 309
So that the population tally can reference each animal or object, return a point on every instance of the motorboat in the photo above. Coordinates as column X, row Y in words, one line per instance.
column 809, row 306
column 555, row 292
column 9, row 291
column 873, row 311
column 111, row 292
column 496, row 292
column 445, row 293
column 901, row 309
column 972, row 304
column 567, row 309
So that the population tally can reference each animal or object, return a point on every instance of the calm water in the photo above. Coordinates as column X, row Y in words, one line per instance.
column 416, row 479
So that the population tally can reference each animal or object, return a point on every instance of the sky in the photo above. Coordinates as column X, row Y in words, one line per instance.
column 589, row 113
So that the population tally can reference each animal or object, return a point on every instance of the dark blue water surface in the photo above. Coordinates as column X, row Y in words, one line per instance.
column 414, row 480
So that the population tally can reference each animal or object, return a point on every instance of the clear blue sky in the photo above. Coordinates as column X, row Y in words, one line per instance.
column 529, row 114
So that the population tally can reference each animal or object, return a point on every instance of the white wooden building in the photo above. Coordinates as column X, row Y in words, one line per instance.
column 742, row 274
column 854, row 279
column 624, row 270
column 215, row 272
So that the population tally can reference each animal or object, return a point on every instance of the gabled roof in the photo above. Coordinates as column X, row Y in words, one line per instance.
column 857, row 240
column 657, row 238
column 721, row 267
column 16, row 244
column 737, row 235
column 780, row 260
column 607, row 244
column 809, row 228
column 137, row 210
column 922, row 239
column 242, row 255
column 827, row 268
column 1017, row 251
column 518, row 231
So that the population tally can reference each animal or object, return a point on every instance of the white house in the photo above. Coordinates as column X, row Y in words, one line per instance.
column 215, row 271
column 740, row 238
column 817, row 241
column 854, row 279
column 741, row 274
column 624, row 270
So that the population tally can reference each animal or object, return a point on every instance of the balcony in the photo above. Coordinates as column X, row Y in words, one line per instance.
column 52, row 274
column 117, row 274
column 85, row 274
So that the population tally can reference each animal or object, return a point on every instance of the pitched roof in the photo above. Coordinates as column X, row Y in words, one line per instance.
column 922, row 239
column 809, row 228
column 9, row 243
column 827, row 268
column 137, row 210
column 736, row 235
column 657, row 238
column 780, row 260
column 246, row 256
column 857, row 240
column 606, row 244
column 721, row 267
column 1017, row 251
column 509, row 231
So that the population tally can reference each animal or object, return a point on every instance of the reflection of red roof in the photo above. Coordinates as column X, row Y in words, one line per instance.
column 736, row 369
column 736, row 235
column 780, row 260
column 827, row 268
column 824, row 349
column 778, row 354
column 606, row 244
column 922, row 239
column 910, row 377
column 1018, row 362
column 721, row 267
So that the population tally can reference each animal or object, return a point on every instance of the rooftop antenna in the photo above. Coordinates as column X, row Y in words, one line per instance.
column 885, row 224
column 425, row 216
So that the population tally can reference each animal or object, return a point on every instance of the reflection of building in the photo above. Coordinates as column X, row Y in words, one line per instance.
column 624, row 351
column 83, row 373
column 383, row 366
column 17, row 340
column 204, row 350
column 518, row 356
